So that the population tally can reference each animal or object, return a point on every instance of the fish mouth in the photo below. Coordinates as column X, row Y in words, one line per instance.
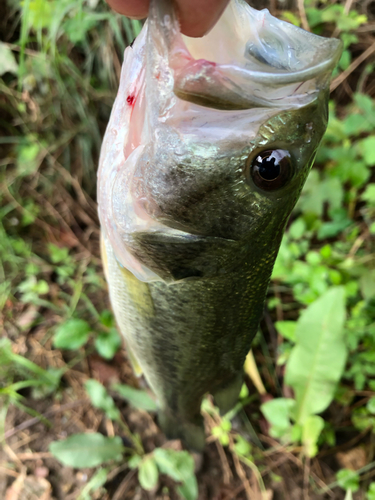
column 249, row 59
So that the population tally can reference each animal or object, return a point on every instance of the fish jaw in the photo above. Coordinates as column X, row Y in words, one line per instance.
column 248, row 59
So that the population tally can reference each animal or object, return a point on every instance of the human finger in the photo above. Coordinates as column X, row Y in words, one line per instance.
column 196, row 17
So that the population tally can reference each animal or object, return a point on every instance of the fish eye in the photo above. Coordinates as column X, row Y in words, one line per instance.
column 271, row 169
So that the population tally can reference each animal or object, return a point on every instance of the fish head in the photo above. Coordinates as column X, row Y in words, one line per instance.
column 219, row 143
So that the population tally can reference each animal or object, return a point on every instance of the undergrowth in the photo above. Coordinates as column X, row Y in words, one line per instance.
column 315, row 352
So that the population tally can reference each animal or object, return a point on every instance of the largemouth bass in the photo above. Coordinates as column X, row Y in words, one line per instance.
column 208, row 146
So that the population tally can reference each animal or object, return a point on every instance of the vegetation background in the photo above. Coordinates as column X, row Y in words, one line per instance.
column 74, row 424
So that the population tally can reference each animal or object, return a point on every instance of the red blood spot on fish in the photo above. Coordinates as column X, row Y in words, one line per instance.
column 130, row 99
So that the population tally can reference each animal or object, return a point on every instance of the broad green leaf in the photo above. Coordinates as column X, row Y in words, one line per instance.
column 179, row 465
column 369, row 194
column 107, row 319
column 348, row 479
column 371, row 405
column 8, row 63
column 87, row 450
column 297, row 229
column 242, row 447
column 189, row 488
column 367, row 284
column 311, row 430
column 107, row 344
column 287, row 329
column 148, row 473
column 101, row 399
column 134, row 461
column 317, row 361
column 278, row 411
column 27, row 156
column 291, row 18
column 367, row 148
column 58, row 254
column 137, row 398
column 72, row 334
column 371, row 492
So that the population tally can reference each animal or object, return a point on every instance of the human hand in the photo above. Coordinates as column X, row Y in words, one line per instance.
column 196, row 17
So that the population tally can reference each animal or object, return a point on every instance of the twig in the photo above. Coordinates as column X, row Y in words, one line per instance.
column 302, row 15
column 48, row 413
column 34, row 456
column 9, row 472
column 306, row 475
column 280, row 449
column 357, row 244
column 121, row 490
column 355, row 473
column 227, row 473
column 354, row 65
column 348, row 6
column 241, row 474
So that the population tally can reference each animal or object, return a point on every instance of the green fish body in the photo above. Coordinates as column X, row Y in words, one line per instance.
column 208, row 147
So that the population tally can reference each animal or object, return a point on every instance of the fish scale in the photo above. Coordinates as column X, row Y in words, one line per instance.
column 163, row 323
column 203, row 160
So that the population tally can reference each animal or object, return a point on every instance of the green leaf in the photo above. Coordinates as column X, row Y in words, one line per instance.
column 101, row 399
column 77, row 27
column 148, row 473
column 97, row 481
column 291, row 18
column 242, row 447
column 137, row 398
column 297, row 229
column 189, row 489
column 179, row 465
column 108, row 343
column 8, row 63
column 311, row 430
column 348, row 479
column 369, row 195
column 27, row 156
column 287, row 329
column 317, row 361
column 87, row 450
column 278, row 411
column 367, row 284
column 371, row 492
column 371, row 405
column 367, row 149
column 355, row 124
column 72, row 334
column 134, row 461
column 107, row 319
column 58, row 254
column 345, row 60
column 330, row 229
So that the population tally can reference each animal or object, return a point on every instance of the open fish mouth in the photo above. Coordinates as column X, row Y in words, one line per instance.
column 185, row 105
column 248, row 59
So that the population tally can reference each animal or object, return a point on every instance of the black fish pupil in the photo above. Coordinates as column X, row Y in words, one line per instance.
column 268, row 168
